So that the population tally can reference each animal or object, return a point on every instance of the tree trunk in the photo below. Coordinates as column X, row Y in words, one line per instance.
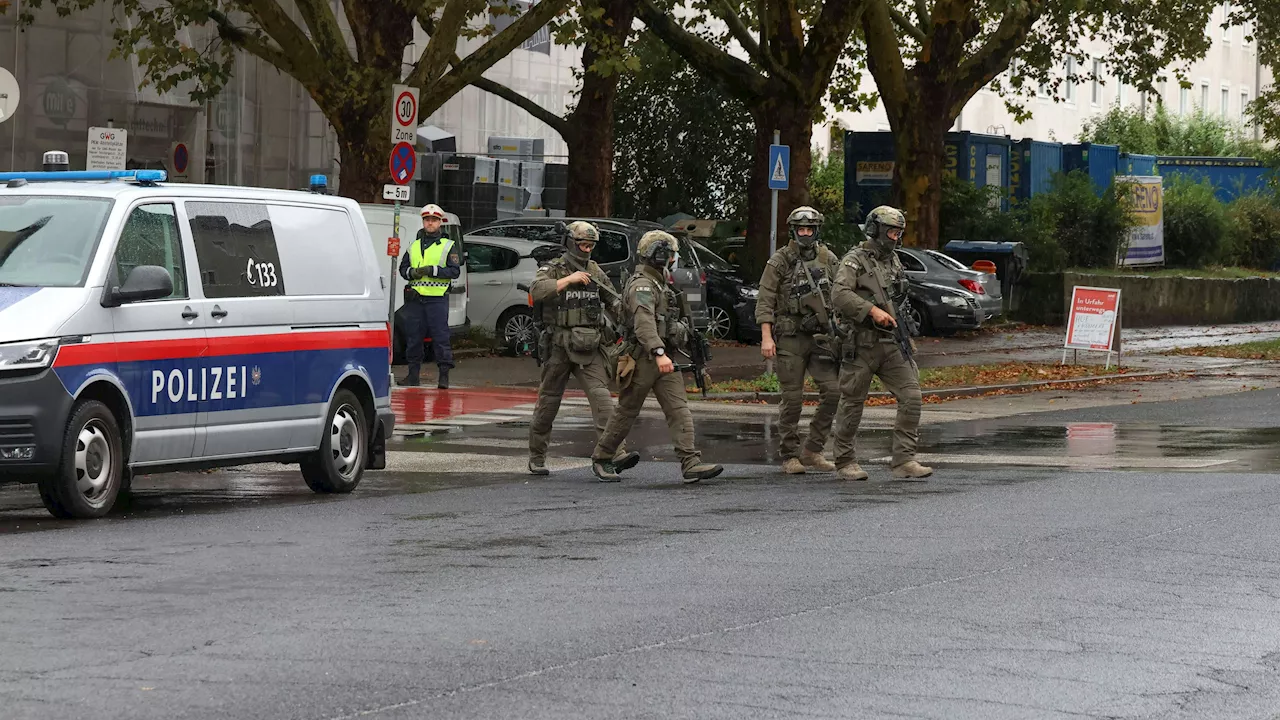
column 364, row 154
column 590, row 125
column 919, row 147
column 794, row 122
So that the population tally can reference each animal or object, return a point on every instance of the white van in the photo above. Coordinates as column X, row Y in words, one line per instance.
column 381, row 221
column 147, row 327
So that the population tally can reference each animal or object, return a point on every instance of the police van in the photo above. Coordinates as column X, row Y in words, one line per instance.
column 148, row 327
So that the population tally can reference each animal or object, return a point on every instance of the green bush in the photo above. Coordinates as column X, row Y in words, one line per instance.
column 1253, row 233
column 1091, row 231
column 968, row 212
column 1195, row 223
column 826, row 194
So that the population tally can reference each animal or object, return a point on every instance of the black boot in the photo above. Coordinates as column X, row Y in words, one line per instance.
column 412, row 379
column 443, row 384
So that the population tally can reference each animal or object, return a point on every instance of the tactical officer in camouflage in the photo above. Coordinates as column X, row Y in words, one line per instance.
column 574, row 295
column 794, row 314
column 654, row 327
column 869, row 286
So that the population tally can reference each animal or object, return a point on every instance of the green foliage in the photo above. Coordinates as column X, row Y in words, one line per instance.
column 1156, row 132
column 1068, row 226
column 826, row 193
column 1253, row 232
column 681, row 144
column 1195, row 223
column 969, row 212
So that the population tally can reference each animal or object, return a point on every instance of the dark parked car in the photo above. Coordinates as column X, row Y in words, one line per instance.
column 731, row 300
column 945, row 295
column 616, row 251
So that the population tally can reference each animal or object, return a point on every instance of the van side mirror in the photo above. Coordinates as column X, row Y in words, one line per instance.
column 145, row 282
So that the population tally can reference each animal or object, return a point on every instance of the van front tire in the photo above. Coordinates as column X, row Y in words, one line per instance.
column 339, row 463
column 91, row 472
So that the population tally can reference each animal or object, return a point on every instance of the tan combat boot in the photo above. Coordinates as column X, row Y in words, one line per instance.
column 852, row 471
column 793, row 466
column 815, row 461
column 912, row 469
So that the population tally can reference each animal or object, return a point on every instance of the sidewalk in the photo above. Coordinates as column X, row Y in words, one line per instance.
column 1140, row 351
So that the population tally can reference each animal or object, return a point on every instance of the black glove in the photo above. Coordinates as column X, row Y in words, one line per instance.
column 419, row 273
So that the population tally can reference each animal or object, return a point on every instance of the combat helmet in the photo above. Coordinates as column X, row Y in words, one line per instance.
column 580, row 231
column 805, row 216
column 879, row 222
column 657, row 248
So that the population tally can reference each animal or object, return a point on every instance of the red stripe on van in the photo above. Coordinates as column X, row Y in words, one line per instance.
column 147, row 350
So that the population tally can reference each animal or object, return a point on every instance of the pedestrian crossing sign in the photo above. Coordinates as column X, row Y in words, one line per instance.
column 779, row 166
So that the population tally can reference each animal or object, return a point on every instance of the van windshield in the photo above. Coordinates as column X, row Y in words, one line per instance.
column 49, row 241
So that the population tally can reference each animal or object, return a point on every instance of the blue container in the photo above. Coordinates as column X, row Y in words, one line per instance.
column 1100, row 162
column 868, row 173
column 1231, row 177
column 1140, row 165
column 1032, row 164
column 980, row 159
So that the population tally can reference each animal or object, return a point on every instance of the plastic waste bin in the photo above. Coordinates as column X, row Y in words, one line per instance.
column 1010, row 259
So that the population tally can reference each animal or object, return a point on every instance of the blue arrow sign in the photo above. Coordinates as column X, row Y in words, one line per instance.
column 779, row 166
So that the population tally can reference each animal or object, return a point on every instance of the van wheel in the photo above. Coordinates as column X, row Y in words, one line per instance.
column 339, row 463
column 89, row 478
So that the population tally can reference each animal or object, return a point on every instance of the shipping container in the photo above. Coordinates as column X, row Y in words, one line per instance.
column 1231, row 177
column 868, row 173
column 1100, row 162
column 980, row 159
column 1139, row 165
column 869, row 167
column 1032, row 164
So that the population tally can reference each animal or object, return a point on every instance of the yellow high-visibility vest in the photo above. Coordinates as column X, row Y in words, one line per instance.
column 435, row 255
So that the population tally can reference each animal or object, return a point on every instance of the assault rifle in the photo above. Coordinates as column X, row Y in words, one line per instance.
column 831, row 320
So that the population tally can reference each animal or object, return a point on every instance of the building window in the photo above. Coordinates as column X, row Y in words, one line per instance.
column 1122, row 93
column 1226, row 19
column 1070, row 80
column 1244, row 103
column 1184, row 99
column 1097, row 84
column 1204, row 97
column 1226, row 101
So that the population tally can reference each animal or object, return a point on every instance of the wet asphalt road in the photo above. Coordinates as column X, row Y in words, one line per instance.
column 990, row 591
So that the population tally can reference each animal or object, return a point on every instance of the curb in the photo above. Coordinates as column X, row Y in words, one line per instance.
column 774, row 398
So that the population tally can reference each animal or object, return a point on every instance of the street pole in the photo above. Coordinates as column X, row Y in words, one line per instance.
column 391, row 299
column 773, row 206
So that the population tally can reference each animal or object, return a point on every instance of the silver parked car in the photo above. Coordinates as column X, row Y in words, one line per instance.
column 947, row 296
column 496, row 265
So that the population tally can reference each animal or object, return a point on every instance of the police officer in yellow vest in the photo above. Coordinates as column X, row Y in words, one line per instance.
column 429, row 267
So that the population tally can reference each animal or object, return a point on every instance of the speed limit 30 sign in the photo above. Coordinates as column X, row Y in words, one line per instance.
column 404, row 114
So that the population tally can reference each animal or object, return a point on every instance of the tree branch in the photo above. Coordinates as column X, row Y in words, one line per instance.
column 289, row 37
column 742, row 80
column 923, row 16
column 555, row 122
column 759, row 52
column 829, row 35
column 252, row 44
column 993, row 57
column 441, row 46
column 325, row 33
column 496, row 48
column 884, row 61
column 904, row 22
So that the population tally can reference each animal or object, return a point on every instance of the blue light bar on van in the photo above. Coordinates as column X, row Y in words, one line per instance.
column 142, row 176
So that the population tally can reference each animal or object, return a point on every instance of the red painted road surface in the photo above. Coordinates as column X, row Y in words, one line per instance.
column 419, row 405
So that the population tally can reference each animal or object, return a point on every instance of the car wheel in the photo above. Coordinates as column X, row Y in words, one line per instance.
column 720, row 325
column 339, row 463
column 514, row 326
column 89, row 478
column 920, row 316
